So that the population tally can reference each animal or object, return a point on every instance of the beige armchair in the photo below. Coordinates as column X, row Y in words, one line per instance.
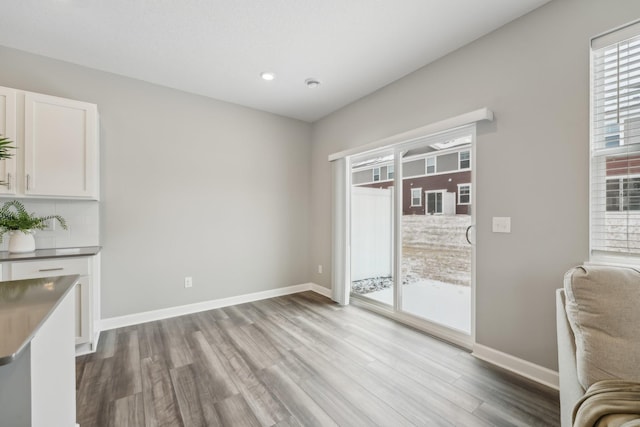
column 598, row 328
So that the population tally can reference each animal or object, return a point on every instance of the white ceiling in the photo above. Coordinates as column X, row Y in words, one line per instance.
column 218, row 48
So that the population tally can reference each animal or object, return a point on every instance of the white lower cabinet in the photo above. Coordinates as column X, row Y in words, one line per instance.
column 86, row 295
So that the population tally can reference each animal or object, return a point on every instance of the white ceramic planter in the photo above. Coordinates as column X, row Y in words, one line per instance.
column 20, row 241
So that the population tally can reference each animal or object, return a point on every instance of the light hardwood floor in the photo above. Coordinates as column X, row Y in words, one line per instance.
column 298, row 360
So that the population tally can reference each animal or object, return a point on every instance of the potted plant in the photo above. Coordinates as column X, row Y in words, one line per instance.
column 5, row 146
column 21, row 225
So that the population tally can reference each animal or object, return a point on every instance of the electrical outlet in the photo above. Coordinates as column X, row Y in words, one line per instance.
column 319, row 268
column 188, row 282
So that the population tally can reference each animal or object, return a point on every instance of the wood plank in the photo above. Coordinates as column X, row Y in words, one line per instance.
column 129, row 412
column 263, row 403
column 176, row 348
column 234, row 411
column 326, row 396
column 126, row 379
column 160, row 405
column 303, row 407
column 95, row 392
column 194, row 401
column 212, row 371
column 353, row 391
column 296, row 360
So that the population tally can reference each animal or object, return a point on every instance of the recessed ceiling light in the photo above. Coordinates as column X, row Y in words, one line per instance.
column 312, row 83
column 268, row 76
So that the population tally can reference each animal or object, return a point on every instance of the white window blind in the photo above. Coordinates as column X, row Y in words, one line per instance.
column 615, row 144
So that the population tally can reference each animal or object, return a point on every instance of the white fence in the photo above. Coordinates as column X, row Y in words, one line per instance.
column 371, row 232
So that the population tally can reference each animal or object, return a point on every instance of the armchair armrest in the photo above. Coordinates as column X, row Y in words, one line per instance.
column 570, row 389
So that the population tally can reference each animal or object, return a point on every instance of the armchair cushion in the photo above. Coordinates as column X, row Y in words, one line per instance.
column 603, row 308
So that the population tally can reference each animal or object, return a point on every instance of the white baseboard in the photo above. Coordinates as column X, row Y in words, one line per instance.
column 518, row 366
column 321, row 290
column 165, row 313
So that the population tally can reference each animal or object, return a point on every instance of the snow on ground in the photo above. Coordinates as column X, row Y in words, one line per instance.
column 436, row 270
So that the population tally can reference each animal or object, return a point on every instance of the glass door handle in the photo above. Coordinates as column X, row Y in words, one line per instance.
column 466, row 234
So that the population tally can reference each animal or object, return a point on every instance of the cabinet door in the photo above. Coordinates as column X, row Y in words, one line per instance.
column 8, row 129
column 61, row 267
column 61, row 147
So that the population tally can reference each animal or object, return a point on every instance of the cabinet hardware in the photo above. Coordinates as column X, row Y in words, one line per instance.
column 8, row 181
column 28, row 182
column 51, row 269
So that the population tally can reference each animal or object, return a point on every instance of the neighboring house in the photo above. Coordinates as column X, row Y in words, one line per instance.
column 434, row 182
column 623, row 183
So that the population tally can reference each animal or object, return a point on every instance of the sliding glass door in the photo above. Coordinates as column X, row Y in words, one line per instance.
column 411, row 248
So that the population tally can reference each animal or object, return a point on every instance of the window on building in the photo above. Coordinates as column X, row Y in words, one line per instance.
column 615, row 143
column 376, row 174
column 416, row 197
column 464, row 194
column 623, row 194
column 431, row 165
column 390, row 172
column 464, row 159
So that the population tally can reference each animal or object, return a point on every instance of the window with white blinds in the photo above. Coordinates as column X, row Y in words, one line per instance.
column 615, row 144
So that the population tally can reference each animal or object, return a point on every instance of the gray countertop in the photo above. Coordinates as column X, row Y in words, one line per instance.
column 50, row 253
column 25, row 305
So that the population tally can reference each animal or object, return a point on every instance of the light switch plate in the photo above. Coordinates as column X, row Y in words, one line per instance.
column 502, row 224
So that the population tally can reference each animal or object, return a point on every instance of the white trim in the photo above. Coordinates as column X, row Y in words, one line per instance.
column 430, row 129
column 420, row 156
column 426, row 201
column 165, row 313
column 393, row 171
column 598, row 43
column 614, row 261
column 616, row 35
column 464, row 185
column 373, row 174
column 412, row 177
column 522, row 367
column 373, row 182
column 426, row 165
column 419, row 189
column 438, row 173
column 474, row 168
column 460, row 168
column 341, row 230
column 318, row 289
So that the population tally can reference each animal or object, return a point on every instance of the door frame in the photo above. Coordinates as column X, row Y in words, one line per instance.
column 395, row 312
column 426, row 201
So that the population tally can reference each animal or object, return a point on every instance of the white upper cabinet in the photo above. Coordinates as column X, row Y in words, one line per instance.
column 60, row 147
column 8, row 130
column 57, row 153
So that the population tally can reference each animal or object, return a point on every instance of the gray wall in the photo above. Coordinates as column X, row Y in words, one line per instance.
column 413, row 168
column 532, row 161
column 447, row 162
column 190, row 187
